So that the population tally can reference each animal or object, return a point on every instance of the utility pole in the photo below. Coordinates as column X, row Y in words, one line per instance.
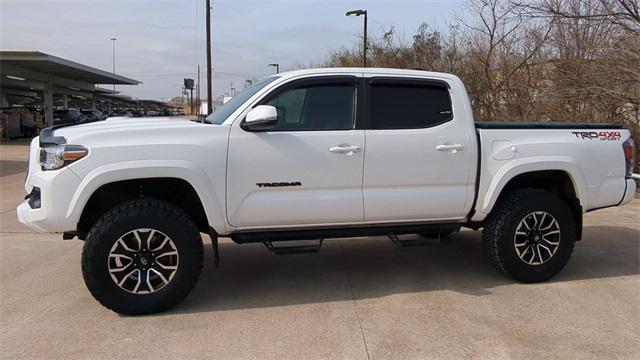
column 191, row 102
column 198, row 93
column 209, row 84
column 113, row 42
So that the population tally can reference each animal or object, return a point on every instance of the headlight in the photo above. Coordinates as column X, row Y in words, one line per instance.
column 56, row 157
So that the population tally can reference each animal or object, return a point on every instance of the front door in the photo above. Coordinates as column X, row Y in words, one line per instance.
column 308, row 169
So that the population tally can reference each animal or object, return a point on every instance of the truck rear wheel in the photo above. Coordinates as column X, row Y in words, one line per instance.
column 530, row 235
column 142, row 257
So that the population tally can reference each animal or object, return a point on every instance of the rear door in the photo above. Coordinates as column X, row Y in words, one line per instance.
column 308, row 170
column 417, row 165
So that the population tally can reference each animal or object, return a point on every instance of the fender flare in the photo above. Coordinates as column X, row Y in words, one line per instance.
column 131, row 170
column 527, row 165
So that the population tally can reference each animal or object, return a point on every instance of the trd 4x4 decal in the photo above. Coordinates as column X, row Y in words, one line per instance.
column 602, row 135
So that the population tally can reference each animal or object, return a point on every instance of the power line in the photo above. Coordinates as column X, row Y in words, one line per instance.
column 189, row 74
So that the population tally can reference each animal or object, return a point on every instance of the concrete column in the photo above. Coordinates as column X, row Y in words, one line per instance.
column 93, row 103
column 48, row 104
column 3, row 100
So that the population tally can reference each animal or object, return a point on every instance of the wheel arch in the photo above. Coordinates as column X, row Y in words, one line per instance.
column 559, row 175
column 200, row 200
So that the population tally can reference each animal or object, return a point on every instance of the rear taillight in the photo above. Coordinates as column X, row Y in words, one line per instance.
column 629, row 155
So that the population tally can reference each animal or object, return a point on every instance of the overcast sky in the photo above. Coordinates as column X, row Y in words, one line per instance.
column 160, row 42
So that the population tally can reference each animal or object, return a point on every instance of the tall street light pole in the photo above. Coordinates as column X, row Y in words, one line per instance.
column 364, row 49
column 113, row 43
column 277, row 66
column 209, row 81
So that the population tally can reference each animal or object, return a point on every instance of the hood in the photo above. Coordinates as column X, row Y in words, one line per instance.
column 122, row 124
column 124, row 129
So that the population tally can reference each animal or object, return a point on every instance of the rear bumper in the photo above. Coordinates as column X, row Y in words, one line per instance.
column 630, row 191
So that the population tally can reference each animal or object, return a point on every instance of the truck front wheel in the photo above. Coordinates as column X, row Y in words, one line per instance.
column 142, row 257
column 530, row 235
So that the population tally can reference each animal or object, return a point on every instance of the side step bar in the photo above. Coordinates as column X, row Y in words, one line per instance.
column 345, row 231
column 421, row 241
column 293, row 249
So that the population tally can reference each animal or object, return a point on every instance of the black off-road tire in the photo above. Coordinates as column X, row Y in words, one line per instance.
column 142, row 213
column 500, row 228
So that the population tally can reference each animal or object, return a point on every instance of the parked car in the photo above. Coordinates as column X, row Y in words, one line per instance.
column 68, row 117
column 107, row 113
column 316, row 154
column 93, row 115
column 121, row 113
column 137, row 113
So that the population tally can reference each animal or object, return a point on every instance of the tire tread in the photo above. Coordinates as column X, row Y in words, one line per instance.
column 134, row 208
column 497, row 222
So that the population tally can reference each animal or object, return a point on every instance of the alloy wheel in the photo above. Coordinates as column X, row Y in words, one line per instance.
column 143, row 261
column 537, row 238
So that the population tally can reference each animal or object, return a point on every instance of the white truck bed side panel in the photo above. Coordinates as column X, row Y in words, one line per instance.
column 596, row 165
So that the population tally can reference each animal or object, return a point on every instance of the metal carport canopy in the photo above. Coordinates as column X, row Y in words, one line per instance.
column 37, row 70
column 52, row 65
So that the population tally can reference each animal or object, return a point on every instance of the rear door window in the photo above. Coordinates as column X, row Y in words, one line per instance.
column 400, row 104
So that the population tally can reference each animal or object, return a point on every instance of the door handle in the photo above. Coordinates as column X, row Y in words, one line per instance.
column 454, row 148
column 345, row 149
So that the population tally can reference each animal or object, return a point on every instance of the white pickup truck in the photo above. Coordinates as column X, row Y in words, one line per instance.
column 316, row 154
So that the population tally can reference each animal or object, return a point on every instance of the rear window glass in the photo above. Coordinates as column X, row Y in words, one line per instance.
column 409, row 105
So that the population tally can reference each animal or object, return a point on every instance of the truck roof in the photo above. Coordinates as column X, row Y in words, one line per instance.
column 377, row 71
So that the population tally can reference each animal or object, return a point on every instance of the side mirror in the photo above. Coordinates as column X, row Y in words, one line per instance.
column 260, row 118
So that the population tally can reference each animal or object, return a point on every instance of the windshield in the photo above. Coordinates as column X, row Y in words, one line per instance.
column 220, row 115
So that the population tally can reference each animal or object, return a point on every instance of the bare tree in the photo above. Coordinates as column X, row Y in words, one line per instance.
column 571, row 60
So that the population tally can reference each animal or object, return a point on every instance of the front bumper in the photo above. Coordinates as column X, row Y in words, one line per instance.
column 51, row 216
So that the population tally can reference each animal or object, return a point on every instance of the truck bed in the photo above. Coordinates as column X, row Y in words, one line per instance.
column 542, row 125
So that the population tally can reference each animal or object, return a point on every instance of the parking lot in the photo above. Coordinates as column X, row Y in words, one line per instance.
column 356, row 299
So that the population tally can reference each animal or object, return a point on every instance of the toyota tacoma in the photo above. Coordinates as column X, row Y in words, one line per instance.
column 317, row 154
